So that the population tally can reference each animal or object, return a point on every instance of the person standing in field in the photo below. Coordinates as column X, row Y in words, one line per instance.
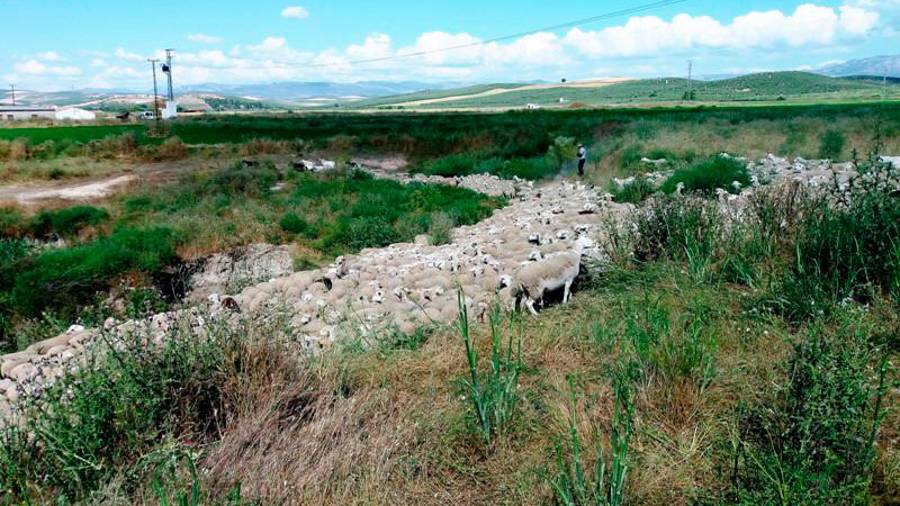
column 582, row 159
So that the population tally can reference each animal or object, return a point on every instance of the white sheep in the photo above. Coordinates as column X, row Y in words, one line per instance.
column 533, row 280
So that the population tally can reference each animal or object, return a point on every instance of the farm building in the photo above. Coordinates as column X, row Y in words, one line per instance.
column 20, row 112
column 76, row 114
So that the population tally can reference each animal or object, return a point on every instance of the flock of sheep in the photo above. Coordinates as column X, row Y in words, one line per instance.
column 526, row 250
column 530, row 248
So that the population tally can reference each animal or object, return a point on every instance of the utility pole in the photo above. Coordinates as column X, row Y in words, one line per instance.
column 168, row 70
column 153, row 63
column 690, row 93
column 12, row 88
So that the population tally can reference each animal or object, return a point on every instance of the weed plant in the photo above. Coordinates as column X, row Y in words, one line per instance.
column 709, row 175
column 606, row 484
column 493, row 396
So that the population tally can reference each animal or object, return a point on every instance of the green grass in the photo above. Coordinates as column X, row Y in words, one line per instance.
column 762, row 87
column 493, row 397
column 707, row 176
column 139, row 236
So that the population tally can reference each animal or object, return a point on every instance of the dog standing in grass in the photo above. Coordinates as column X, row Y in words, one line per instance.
column 582, row 159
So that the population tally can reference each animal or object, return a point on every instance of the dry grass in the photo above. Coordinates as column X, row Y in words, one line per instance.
column 389, row 426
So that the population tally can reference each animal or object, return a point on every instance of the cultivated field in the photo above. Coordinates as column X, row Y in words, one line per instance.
column 732, row 338
column 765, row 88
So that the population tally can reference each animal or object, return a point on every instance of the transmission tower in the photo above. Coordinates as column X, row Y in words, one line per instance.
column 167, row 68
column 12, row 89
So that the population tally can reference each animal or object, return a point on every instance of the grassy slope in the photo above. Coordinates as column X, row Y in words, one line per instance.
column 755, row 87
column 428, row 95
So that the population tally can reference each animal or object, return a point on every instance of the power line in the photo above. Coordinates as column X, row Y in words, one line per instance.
column 570, row 24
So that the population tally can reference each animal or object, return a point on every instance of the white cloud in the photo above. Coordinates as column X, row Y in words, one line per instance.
column 376, row 45
column 294, row 12
column 122, row 54
column 434, row 41
column 204, row 39
column 641, row 45
column 808, row 25
column 50, row 56
column 36, row 68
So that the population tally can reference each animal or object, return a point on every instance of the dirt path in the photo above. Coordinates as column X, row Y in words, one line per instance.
column 33, row 195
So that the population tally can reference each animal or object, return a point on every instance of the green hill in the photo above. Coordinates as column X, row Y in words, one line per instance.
column 762, row 87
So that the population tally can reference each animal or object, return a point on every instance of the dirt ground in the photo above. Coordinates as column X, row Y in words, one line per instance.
column 34, row 195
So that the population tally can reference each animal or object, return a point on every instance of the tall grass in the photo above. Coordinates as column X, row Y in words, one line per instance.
column 108, row 415
column 709, row 175
column 493, row 396
column 847, row 248
column 571, row 485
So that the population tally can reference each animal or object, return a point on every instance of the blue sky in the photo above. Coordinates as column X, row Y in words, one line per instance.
column 57, row 45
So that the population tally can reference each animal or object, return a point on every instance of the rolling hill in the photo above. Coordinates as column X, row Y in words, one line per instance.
column 762, row 87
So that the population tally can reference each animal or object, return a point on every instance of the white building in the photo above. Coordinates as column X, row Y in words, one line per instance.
column 75, row 114
column 21, row 112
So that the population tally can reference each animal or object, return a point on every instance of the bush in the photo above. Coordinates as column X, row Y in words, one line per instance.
column 239, row 180
column 440, row 231
column 679, row 229
column 832, row 145
column 12, row 222
column 112, row 415
column 293, row 224
column 68, row 221
column 633, row 192
column 451, row 165
column 843, row 251
column 816, row 443
column 709, row 175
column 370, row 232
column 171, row 149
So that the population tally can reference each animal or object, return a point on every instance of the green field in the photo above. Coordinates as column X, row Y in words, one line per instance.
column 764, row 87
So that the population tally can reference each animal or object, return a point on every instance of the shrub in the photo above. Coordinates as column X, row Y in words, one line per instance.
column 440, row 231
column 709, row 175
column 112, row 414
column 633, row 192
column 815, row 443
column 831, row 145
column 562, row 150
column 533, row 169
column 238, row 180
column 67, row 221
column 293, row 223
column 12, row 222
column 679, row 229
column 848, row 250
column 171, row 149
column 451, row 165
column 630, row 157
column 368, row 232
